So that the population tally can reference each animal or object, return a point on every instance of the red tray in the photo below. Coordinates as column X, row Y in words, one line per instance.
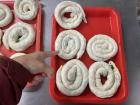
column 100, row 21
column 36, row 23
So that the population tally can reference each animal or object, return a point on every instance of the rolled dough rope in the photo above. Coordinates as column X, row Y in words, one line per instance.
column 1, row 34
column 19, row 36
column 76, row 14
column 70, row 43
column 101, row 47
column 111, row 85
column 5, row 15
column 17, row 55
column 26, row 9
column 72, row 78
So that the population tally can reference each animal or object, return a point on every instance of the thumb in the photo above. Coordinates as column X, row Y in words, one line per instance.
column 49, row 71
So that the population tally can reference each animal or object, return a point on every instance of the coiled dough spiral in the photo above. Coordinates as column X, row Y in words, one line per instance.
column 76, row 14
column 19, row 36
column 5, row 15
column 26, row 9
column 72, row 78
column 101, row 47
column 111, row 85
column 17, row 55
column 70, row 43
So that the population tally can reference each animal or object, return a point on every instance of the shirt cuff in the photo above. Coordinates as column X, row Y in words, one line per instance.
column 19, row 73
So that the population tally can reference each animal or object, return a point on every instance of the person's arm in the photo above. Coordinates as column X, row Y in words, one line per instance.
column 14, row 74
column 13, row 78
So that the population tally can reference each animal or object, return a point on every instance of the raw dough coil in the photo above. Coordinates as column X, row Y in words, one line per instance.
column 111, row 85
column 19, row 36
column 72, row 78
column 101, row 47
column 76, row 14
column 70, row 43
column 26, row 9
column 5, row 15
column 17, row 55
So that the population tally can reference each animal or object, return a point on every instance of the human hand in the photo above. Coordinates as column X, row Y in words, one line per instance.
column 34, row 62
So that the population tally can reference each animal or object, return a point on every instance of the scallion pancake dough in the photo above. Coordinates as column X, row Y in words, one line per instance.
column 70, row 43
column 72, row 78
column 26, row 9
column 101, row 47
column 19, row 36
column 5, row 15
column 76, row 14
column 111, row 85
column 17, row 55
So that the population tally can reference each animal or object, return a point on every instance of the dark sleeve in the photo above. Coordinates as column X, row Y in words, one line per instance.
column 13, row 78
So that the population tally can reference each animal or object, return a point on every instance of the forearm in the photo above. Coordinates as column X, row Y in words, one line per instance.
column 13, row 78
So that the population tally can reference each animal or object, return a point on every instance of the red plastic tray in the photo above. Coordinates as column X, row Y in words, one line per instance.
column 100, row 21
column 36, row 23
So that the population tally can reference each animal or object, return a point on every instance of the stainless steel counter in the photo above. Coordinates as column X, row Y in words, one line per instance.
column 131, row 35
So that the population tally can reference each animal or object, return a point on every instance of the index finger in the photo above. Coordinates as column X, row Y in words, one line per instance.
column 46, row 54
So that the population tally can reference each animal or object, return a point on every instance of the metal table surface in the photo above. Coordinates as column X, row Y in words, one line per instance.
column 131, row 36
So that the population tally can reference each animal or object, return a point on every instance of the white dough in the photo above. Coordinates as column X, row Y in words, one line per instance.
column 76, row 16
column 72, row 78
column 5, row 15
column 70, row 43
column 17, row 55
column 19, row 36
column 101, row 47
column 111, row 85
column 26, row 9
